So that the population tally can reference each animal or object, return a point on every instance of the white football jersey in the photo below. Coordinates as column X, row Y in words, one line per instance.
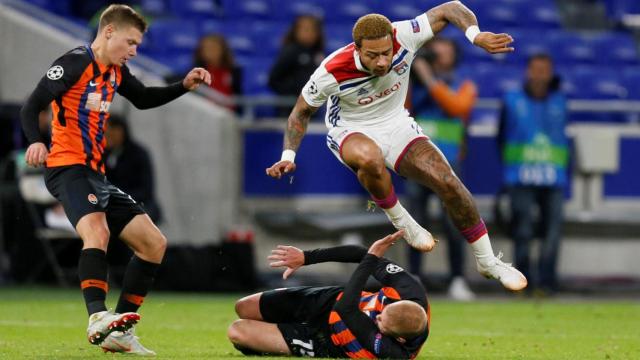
column 354, row 96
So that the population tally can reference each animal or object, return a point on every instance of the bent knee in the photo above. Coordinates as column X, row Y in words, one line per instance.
column 372, row 164
column 236, row 332
column 249, row 307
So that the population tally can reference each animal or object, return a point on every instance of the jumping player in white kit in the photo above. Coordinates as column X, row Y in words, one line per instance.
column 365, row 86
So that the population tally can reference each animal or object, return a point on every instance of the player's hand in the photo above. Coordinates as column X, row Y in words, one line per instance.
column 494, row 43
column 380, row 247
column 36, row 154
column 286, row 256
column 280, row 168
column 195, row 77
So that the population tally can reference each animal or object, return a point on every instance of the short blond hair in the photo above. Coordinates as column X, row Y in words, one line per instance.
column 407, row 319
column 371, row 26
column 119, row 14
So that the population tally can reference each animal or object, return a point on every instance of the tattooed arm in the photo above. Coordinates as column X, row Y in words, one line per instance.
column 296, row 128
column 297, row 124
column 462, row 17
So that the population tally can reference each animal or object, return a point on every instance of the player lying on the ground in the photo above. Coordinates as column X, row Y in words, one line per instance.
column 333, row 321
column 80, row 86
column 365, row 86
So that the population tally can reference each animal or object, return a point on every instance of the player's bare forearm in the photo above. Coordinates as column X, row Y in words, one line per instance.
column 453, row 12
column 297, row 124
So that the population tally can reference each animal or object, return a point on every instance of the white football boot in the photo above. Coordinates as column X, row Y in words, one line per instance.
column 415, row 235
column 125, row 342
column 102, row 323
column 510, row 277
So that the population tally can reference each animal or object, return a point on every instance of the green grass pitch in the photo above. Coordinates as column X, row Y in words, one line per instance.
column 43, row 323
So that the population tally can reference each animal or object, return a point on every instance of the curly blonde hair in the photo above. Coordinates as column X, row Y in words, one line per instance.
column 371, row 26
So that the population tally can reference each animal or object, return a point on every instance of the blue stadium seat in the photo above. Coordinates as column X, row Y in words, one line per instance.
column 155, row 7
column 631, row 80
column 268, row 37
column 569, row 48
column 346, row 12
column 61, row 7
column 178, row 61
column 255, row 75
column 239, row 38
column 209, row 26
column 173, row 34
column 198, row 8
column 299, row 7
column 618, row 8
column 539, row 15
column 235, row 10
column 595, row 82
column 337, row 36
column 494, row 81
column 397, row 11
column 617, row 48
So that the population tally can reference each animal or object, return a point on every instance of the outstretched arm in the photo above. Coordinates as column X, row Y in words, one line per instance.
column 292, row 258
column 143, row 97
column 296, row 128
column 463, row 18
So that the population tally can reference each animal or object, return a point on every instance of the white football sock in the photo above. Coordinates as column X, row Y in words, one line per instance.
column 482, row 250
column 395, row 211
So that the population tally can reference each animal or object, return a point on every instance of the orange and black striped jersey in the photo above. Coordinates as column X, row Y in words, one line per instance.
column 352, row 321
column 80, row 90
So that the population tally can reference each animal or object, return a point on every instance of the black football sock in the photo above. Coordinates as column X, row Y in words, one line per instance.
column 138, row 278
column 92, row 271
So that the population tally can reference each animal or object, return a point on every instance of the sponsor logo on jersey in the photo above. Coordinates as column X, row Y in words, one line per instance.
column 362, row 91
column 92, row 199
column 377, row 343
column 55, row 72
column 371, row 98
column 415, row 25
column 401, row 68
column 95, row 103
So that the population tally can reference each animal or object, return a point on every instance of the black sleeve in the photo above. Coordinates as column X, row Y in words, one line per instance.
column 61, row 76
column 345, row 253
column 143, row 97
column 408, row 287
column 360, row 325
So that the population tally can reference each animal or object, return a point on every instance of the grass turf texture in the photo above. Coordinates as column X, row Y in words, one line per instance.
column 50, row 323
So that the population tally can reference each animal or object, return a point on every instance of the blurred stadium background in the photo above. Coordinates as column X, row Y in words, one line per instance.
column 222, row 214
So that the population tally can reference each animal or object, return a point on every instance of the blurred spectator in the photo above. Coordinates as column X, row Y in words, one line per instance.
column 441, row 102
column 535, row 151
column 302, row 53
column 214, row 54
column 128, row 166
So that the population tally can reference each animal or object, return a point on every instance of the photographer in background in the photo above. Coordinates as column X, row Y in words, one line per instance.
column 441, row 102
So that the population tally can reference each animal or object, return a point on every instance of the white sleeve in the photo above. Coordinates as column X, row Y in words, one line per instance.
column 320, row 86
column 413, row 33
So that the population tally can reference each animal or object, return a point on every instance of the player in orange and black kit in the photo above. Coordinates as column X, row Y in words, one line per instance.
column 80, row 86
column 334, row 321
